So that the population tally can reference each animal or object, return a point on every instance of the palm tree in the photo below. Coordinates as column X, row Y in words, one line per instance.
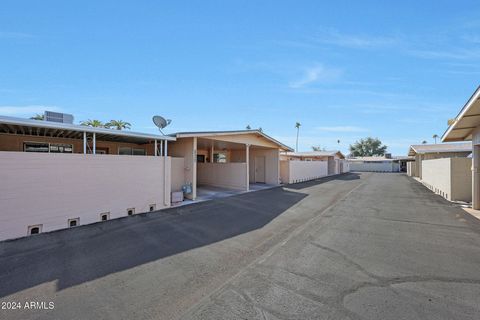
column 118, row 124
column 338, row 141
column 93, row 123
column 424, row 142
column 297, row 125
column 38, row 117
column 435, row 136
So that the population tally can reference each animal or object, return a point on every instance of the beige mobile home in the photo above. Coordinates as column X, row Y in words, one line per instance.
column 230, row 160
column 60, row 175
column 422, row 152
column 374, row 164
column 304, row 166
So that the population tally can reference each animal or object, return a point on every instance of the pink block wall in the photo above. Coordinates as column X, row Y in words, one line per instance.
column 49, row 189
column 227, row 175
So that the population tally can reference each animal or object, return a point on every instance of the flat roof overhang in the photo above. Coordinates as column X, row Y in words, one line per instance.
column 18, row 126
column 466, row 121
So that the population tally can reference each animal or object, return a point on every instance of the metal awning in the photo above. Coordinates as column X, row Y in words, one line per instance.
column 19, row 126
column 461, row 127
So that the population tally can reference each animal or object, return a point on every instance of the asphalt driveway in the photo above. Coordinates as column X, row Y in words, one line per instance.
column 361, row 246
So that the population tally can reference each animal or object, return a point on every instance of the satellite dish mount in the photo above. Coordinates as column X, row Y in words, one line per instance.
column 161, row 122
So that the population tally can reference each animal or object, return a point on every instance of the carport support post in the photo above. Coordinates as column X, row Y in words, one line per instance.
column 84, row 142
column 247, row 160
column 194, row 168
column 155, row 153
column 94, row 143
column 212, row 151
column 475, row 178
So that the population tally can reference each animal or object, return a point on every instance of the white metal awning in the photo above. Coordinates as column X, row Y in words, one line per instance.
column 12, row 125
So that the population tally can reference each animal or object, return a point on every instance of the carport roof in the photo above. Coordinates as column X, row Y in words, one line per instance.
column 316, row 154
column 13, row 125
column 211, row 134
column 440, row 148
column 460, row 128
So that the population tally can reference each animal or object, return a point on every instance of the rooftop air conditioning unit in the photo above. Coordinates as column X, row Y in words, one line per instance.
column 58, row 117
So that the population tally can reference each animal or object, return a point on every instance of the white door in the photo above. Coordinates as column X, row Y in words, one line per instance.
column 260, row 169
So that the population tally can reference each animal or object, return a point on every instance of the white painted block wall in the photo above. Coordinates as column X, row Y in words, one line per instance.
column 292, row 171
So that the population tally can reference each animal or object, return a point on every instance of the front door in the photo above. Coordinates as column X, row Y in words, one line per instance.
column 260, row 169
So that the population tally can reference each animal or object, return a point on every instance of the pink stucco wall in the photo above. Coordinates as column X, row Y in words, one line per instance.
column 49, row 189
column 228, row 175
column 178, row 173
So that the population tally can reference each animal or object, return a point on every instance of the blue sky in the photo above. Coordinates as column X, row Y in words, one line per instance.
column 396, row 70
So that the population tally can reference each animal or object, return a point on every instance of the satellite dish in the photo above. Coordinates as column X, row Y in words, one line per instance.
column 161, row 122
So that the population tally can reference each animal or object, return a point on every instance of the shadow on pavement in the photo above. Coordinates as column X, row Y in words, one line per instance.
column 74, row 256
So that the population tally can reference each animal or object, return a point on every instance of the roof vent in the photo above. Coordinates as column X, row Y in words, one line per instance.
column 58, row 117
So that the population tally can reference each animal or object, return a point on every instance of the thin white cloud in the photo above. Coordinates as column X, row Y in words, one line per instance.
column 315, row 74
column 334, row 37
column 342, row 129
column 25, row 110
column 14, row 35
column 460, row 54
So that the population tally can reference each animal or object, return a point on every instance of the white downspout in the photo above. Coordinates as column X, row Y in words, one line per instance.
column 247, row 157
column 165, row 184
column 84, row 142
column 94, row 143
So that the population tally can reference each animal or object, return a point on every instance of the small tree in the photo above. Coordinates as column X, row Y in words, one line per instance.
column 93, row 123
column 248, row 127
column 260, row 129
column 318, row 148
column 368, row 147
column 118, row 124
column 424, row 142
column 297, row 125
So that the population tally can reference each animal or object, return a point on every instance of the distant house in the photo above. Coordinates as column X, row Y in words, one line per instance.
column 422, row 152
column 375, row 164
column 304, row 166
column 444, row 168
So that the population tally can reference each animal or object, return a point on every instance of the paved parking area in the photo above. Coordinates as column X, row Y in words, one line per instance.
column 358, row 246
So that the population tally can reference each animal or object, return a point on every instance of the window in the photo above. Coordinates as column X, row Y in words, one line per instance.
column 35, row 147
column 73, row 222
column 131, row 211
column 104, row 216
column 47, row 147
column 200, row 158
column 36, row 229
column 138, row 152
column 61, row 148
column 219, row 157
column 152, row 207
column 125, row 150
column 131, row 151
